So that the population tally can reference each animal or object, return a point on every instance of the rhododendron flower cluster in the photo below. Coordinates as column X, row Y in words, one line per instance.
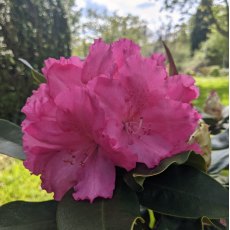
column 115, row 108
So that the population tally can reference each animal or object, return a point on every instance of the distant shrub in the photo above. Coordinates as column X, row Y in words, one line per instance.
column 213, row 70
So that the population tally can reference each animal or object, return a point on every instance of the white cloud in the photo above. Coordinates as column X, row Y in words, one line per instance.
column 145, row 9
column 81, row 3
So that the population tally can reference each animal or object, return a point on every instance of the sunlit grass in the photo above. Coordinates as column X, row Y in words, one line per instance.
column 16, row 183
column 206, row 84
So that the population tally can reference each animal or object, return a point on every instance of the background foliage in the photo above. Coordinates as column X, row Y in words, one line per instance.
column 33, row 31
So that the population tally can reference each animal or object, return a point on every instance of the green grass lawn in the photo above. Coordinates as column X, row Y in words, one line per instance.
column 206, row 84
column 16, row 183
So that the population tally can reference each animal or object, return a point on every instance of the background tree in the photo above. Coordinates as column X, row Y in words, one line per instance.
column 201, row 41
column 112, row 27
column 187, row 6
column 201, row 24
column 33, row 30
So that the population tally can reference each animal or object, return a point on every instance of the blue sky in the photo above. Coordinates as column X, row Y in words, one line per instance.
column 148, row 10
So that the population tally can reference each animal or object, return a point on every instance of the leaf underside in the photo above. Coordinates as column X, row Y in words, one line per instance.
column 11, row 140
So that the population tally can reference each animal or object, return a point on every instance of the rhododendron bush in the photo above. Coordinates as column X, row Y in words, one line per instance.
column 115, row 136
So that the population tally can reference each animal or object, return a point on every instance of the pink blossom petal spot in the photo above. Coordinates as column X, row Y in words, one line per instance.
column 62, row 74
column 97, row 179
column 160, row 59
column 182, row 88
column 99, row 61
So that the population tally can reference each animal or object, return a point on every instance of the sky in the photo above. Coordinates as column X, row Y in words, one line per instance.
column 148, row 10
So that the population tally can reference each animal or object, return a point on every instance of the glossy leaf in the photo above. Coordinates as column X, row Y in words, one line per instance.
column 103, row 214
column 20, row 215
column 190, row 158
column 136, row 177
column 222, row 179
column 11, row 140
column 186, row 192
column 38, row 77
column 175, row 223
column 172, row 66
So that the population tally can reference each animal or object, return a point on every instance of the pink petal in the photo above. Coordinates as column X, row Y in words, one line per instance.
column 63, row 61
column 51, row 133
column 99, row 61
column 38, row 107
column 164, row 132
column 97, row 178
column 172, row 121
column 39, row 104
column 159, row 58
column 110, row 93
column 181, row 88
column 79, row 110
column 143, row 74
column 60, row 78
column 29, row 142
column 122, row 49
column 166, row 124
column 85, row 115
column 60, row 168
column 58, row 176
column 62, row 74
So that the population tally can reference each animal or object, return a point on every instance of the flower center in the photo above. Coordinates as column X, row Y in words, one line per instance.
column 87, row 155
column 133, row 127
column 83, row 157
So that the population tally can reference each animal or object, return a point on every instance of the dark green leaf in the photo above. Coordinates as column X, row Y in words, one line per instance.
column 174, row 223
column 165, row 222
column 103, row 214
column 186, row 192
column 172, row 66
column 222, row 179
column 197, row 161
column 136, row 177
column 22, row 215
column 11, row 140
column 189, row 158
column 136, row 183
column 38, row 77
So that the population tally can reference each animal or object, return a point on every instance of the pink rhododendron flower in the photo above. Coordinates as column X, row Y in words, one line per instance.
column 115, row 108
column 147, row 115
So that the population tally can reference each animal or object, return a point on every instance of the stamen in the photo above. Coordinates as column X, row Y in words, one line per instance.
column 87, row 156
column 69, row 162
column 133, row 127
column 140, row 123
column 82, row 163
